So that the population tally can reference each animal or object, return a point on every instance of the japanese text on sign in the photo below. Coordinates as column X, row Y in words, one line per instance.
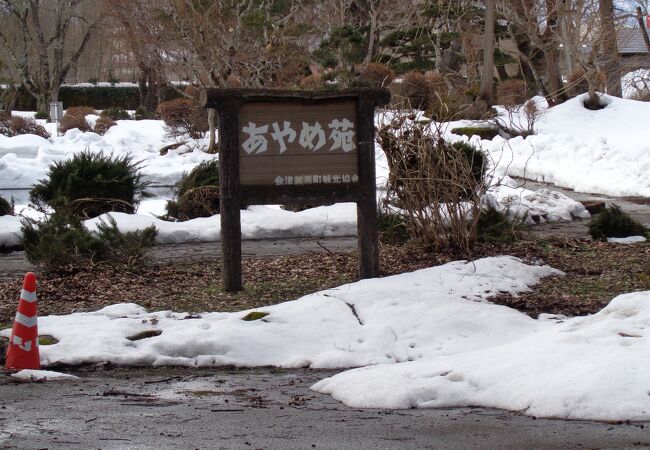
column 311, row 136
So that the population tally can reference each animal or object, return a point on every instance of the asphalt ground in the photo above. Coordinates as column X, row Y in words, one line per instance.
column 180, row 408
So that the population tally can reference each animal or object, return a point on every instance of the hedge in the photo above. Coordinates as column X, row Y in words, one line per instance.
column 98, row 97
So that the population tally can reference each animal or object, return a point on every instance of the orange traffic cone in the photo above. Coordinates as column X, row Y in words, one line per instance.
column 22, row 352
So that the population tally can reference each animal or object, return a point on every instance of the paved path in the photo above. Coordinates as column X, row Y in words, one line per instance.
column 637, row 207
column 262, row 409
column 15, row 264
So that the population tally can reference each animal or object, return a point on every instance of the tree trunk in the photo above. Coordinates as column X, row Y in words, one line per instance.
column 42, row 101
column 557, row 94
column 487, row 77
column 370, row 53
column 552, row 56
column 153, row 89
column 612, row 64
column 566, row 42
column 142, row 88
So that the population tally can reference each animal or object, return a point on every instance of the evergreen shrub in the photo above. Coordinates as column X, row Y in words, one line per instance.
column 90, row 184
column 614, row 222
column 494, row 226
column 6, row 207
column 62, row 244
column 196, row 194
column 116, row 113
column 392, row 227
column 482, row 132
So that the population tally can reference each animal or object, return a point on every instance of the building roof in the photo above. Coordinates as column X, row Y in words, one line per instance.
column 630, row 40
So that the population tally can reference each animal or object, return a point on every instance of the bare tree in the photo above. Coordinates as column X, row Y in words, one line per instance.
column 612, row 65
column 534, row 26
column 137, row 28
column 37, row 36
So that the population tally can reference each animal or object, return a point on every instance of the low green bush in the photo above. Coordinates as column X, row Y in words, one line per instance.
column 614, row 222
column 116, row 113
column 143, row 114
column 392, row 227
column 494, row 226
column 62, row 244
column 483, row 133
column 90, row 184
column 196, row 194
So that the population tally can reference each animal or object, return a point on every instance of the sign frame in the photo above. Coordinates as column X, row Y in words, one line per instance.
column 228, row 102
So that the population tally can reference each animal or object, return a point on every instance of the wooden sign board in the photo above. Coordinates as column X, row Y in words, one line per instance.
column 296, row 147
column 286, row 144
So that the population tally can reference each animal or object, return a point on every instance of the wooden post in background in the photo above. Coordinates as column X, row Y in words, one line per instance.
column 367, row 204
column 229, row 196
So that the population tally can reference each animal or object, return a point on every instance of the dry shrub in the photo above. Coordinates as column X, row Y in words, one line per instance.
column 313, row 81
column 512, row 92
column 437, row 186
column 642, row 95
column 15, row 125
column 377, row 75
column 75, row 117
column 103, row 124
column 184, row 117
column 414, row 91
column 518, row 120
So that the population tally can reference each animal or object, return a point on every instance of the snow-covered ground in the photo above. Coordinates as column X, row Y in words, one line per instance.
column 592, row 367
column 424, row 339
column 605, row 151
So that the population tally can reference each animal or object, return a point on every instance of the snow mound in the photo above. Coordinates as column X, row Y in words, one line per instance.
column 592, row 367
column 424, row 314
column 604, row 151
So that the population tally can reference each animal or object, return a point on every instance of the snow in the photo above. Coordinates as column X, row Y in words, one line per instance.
column 424, row 314
column 592, row 367
column 24, row 159
column 605, row 151
column 257, row 222
column 10, row 233
column 626, row 240
column 42, row 375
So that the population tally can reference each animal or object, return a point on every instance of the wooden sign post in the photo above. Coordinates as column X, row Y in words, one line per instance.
column 287, row 147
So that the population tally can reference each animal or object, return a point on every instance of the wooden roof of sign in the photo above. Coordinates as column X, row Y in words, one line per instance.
column 212, row 98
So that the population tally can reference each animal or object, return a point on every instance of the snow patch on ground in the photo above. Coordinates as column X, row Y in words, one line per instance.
column 592, row 367
column 626, row 240
column 42, row 375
